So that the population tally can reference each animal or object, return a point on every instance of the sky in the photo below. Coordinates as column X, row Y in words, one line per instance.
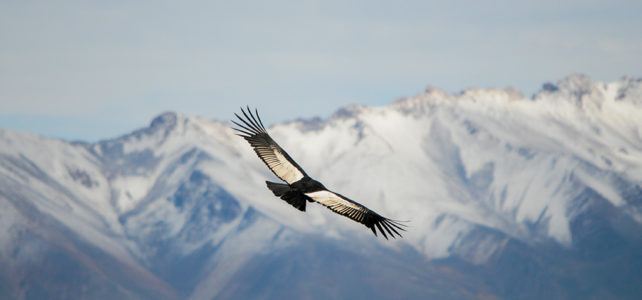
column 93, row 70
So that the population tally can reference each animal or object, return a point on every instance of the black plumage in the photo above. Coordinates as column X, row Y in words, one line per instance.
column 299, row 188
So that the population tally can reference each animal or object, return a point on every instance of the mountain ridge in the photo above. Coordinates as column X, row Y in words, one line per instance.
column 485, row 176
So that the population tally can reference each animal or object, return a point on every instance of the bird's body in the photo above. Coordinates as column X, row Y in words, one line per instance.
column 306, row 185
column 299, row 188
column 295, row 193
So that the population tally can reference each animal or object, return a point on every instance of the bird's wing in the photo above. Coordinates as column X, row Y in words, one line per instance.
column 277, row 160
column 357, row 212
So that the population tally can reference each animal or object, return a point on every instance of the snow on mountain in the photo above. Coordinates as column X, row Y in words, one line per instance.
column 183, row 202
column 482, row 157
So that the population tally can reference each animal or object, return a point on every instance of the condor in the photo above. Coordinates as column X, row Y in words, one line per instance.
column 299, row 188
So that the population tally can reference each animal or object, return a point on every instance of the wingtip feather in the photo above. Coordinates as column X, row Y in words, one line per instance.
column 259, row 117
column 381, row 230
column 251, row 124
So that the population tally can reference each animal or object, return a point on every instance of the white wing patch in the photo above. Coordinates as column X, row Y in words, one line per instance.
column 331, row 199
column 284, row 169
column 357, row 212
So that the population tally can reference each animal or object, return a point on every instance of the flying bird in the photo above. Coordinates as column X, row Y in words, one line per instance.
column 299, row 188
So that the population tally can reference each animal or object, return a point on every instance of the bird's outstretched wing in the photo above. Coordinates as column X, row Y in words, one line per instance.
column 357, row 212
column 277, row 160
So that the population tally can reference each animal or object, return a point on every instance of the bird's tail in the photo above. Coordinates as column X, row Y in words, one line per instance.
column 279, row 189
column 295, row 198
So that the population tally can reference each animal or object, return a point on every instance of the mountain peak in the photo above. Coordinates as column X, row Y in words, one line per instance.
column 578, row 89
column 166, row 119
column 348, row 111
column 577, row 83
column 630, row 90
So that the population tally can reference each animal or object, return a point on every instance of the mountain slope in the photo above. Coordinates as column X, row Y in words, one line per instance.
column 507, row 197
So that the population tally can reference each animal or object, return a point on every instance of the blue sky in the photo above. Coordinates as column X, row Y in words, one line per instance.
column 90, row 70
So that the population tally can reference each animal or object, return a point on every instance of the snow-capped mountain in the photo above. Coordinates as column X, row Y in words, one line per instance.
column 506, row 196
